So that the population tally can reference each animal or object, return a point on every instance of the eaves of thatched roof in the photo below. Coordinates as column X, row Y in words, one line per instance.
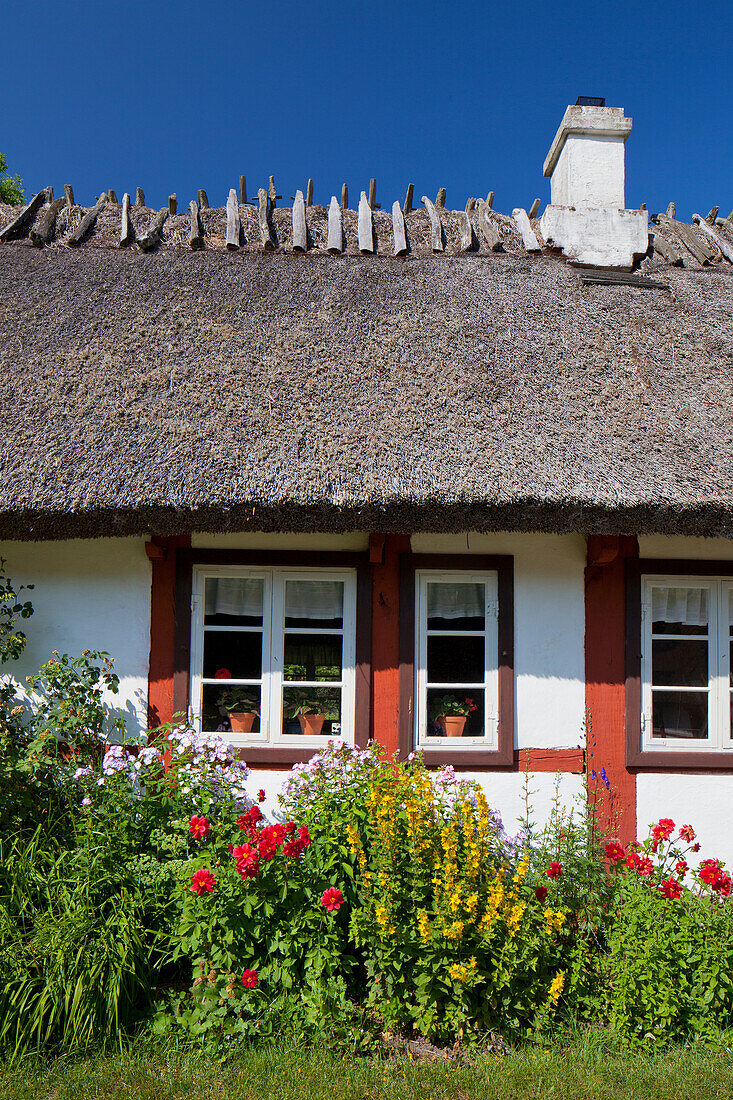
column 217, row 390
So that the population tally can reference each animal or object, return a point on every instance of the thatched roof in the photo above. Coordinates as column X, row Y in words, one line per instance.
column 212, row 390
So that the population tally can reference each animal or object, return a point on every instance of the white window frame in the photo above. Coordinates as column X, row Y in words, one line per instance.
column 719, row 687
column 273, row 642
column 490, row 687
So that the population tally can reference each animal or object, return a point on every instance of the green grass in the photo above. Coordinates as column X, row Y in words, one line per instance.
column 584, row 1069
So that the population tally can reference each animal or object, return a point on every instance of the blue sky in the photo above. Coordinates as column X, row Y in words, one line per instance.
column 173, row 96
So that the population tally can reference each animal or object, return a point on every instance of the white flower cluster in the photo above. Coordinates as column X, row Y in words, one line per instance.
column 337, row 768
column 200, row 760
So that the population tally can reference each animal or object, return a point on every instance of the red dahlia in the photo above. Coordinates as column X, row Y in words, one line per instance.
column 332, row 899
column 554, row 870
column 670, row 888
column 199, row 827
column 203, row 882
column 541, row 893
column 250, row 979
column 615, row 851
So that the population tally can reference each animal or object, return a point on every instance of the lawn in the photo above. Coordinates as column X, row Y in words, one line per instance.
column 575, row 1070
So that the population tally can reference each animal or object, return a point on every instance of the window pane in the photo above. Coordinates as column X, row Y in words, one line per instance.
column 314, row 603
column 312, row 657
column 680, row 664
column 680, row 714
column 679, row 610
column 441, row 722
column 312, row 711
column 232, row 656
column 230, row 709
column 454, row 660
column 234, row 601
column 456, row 606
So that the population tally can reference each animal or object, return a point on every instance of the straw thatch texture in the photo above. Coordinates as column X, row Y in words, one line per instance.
column 176, row 391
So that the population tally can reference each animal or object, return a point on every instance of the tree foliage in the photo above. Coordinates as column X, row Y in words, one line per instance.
column 11, row 187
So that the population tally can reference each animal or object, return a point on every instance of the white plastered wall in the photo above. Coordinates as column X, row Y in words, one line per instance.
column 703, row 801
column 88, row 594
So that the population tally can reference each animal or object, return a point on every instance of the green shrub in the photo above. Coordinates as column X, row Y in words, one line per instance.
column 671, row 944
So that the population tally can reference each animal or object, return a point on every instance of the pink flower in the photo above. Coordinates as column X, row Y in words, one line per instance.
column 332, row 899
column 199, row 827
column 554, row 870
column 250, row 979
column 203, row 882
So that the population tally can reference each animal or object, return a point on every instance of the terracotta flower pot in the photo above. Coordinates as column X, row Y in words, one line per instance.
column 311, row 724
column 242, row 721
column 453, row 724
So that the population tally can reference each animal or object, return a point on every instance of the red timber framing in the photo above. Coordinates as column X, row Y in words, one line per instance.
column 384, row 647
column 605, row 679
column 161, row 667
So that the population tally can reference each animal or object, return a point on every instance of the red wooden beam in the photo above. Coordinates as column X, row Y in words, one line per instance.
column 605, row 676
column 386, row 640
column 161, row 666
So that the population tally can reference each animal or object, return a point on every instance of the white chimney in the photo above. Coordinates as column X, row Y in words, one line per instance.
column 586, row 217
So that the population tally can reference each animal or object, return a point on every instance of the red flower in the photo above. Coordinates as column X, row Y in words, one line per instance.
column 541, row 893
column 222, row 674
column 199, row 827
column 248, row 822
column 709, row 871
column 554, row 870
column 247, row 860
column 332, row 899
column 723, row 885
column 470, row 704
column 294, row 848
column 681, row 868
column 203, row 882
column 695, row 847
column 687, row 833
column 670, row 888
column 304, row 836
column 644, row 866
column 290, row 827
column 260, row 795
column 663, row 829
column 632, row 861
column 250, row 979
column 615, row 851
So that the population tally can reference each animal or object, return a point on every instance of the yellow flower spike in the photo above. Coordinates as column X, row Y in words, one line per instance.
column 556, row 987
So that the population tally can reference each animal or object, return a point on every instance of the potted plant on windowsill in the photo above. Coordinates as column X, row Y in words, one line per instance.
column 312, row 708
column 242, row 703
column 452, row 713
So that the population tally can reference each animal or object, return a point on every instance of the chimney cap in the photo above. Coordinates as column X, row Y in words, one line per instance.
column 590, row 101
column 592, row 121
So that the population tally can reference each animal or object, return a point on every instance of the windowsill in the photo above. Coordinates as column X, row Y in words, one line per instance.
column 683, row 760
column 275, row 754
column 467, row 759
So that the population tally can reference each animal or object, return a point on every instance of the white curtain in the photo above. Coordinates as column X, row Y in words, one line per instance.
column 234, row 596
column 314, row 599
column 242, row 596
column 456, row 601
column 680, row 605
